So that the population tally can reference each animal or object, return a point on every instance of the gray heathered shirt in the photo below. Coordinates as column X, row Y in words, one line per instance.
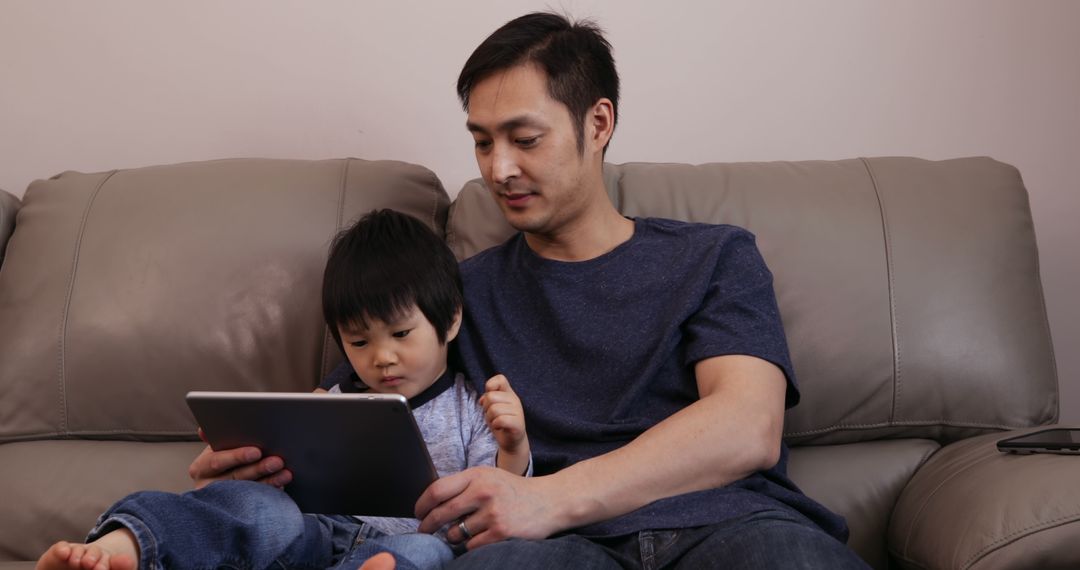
column 457, row 437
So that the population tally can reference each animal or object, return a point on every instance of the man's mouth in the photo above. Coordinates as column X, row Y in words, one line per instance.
column 516, row 199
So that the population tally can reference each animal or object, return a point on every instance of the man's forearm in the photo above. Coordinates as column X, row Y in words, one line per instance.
column 732, row 432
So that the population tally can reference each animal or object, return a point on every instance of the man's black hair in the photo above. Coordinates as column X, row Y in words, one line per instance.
column 383, row 265
column 575, row 56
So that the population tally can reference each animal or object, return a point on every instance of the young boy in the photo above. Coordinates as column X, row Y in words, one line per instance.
column 392, row 299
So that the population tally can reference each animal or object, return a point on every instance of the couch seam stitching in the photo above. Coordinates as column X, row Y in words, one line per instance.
column 1018, row 535
column 890, row 272
column 930, row 495
column 65, row 312
column 940, row 421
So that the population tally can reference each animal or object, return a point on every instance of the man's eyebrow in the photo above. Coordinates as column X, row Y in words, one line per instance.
column 507, row 125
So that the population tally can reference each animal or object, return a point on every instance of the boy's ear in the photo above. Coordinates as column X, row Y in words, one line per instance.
column 454, row 327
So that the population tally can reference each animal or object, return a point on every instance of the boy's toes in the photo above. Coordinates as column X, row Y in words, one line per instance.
column 77, row 553
column 124, row 562
column 90, row 557
column 56, row 557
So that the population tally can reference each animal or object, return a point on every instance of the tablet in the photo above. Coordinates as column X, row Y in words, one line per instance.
column 1060, row 441
column 353, row 454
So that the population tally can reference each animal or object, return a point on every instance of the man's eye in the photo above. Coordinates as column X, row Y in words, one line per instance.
column 483, row 145
column 402, row 334
column 527, row 142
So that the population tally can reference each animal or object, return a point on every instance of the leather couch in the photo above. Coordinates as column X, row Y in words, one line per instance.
column 909, row 290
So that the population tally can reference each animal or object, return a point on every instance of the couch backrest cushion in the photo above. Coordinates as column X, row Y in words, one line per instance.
column 8, row 206
column 123, row 290
column 909, row 288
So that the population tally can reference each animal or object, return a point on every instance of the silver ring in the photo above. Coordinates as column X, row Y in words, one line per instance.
column 464, row 529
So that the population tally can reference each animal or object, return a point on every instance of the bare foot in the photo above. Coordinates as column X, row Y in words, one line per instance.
column 381, row 561
column 114, row 551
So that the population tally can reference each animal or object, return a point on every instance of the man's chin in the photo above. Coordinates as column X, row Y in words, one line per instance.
column 518, row 220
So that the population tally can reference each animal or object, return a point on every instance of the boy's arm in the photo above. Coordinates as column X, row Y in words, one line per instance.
column 242, row 463
column 506, row 419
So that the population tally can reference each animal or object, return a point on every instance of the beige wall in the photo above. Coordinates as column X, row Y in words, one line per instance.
column 122, row 83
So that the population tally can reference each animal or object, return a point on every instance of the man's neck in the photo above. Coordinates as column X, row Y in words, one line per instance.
column 598, row 229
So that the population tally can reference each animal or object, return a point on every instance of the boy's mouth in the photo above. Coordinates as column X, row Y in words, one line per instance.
column 391, row 380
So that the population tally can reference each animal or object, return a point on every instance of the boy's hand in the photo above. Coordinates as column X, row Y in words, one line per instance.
column 506, row 419
column 246, row 463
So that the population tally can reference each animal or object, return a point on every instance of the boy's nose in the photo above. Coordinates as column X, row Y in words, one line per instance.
column 384, row 358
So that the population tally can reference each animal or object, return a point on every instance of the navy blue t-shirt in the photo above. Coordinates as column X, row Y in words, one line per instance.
column 601, row 350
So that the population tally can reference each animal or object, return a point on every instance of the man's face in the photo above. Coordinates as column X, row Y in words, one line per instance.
column 527, row 150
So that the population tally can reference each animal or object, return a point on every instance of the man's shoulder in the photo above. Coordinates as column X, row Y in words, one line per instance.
column 678, row 228
column 489, row 257
column 694, row 239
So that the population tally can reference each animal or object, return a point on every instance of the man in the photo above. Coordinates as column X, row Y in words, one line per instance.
column 648, row 354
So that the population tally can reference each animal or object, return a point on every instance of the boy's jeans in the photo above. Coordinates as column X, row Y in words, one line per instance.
column 247, row 525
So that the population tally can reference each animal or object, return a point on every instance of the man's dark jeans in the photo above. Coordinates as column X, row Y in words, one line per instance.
column 763, row 540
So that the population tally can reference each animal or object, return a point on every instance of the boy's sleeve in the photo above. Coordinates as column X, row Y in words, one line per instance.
column 481, row 448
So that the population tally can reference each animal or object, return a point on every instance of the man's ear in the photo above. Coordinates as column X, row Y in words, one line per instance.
column 599, row 124
column 455, row 326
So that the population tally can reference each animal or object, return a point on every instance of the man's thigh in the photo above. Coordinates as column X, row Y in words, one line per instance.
column 564, row 553
column 759, row 541
column 774, row 539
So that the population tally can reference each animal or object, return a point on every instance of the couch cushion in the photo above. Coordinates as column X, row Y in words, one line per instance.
column 861, row 482
column 8, row 206
column 123, row 290
column 971, row 507
column 909, row 288
column 55, row 490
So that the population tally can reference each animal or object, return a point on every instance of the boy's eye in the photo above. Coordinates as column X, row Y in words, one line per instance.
column 402, row 334
column 358, row 343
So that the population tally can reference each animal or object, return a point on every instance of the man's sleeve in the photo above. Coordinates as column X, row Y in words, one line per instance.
column 738, row 313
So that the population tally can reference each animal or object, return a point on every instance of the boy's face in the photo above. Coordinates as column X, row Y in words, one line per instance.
column 527, row 150
column 401, row 357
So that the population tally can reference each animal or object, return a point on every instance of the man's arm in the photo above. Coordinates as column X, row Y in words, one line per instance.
column 732, row 431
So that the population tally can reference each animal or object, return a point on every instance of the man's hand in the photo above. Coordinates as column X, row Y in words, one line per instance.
column 242, row 463
column 506, row 419
column 494, row 505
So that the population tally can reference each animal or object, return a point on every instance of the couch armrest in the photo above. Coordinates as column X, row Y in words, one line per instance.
column 8, row 206
column 973, row 507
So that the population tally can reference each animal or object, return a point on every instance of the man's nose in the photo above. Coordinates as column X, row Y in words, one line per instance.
column 504, row 167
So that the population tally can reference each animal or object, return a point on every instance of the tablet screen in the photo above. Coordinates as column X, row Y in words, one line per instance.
column 355, row 454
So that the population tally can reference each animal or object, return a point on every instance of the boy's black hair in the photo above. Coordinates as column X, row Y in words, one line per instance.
column 383, row 265
column 575, row 56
